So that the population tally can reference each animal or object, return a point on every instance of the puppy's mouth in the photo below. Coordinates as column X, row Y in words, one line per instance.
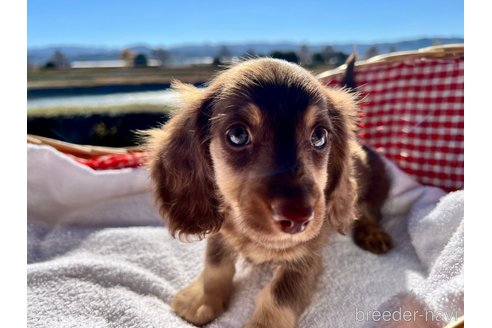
column 281, row 223
column 286, row 234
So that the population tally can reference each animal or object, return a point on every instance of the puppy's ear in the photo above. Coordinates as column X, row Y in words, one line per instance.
column 348, row 79
column 341, row 190
column 181, row 167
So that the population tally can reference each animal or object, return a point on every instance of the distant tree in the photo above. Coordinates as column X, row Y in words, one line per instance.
column 163, row 56
column 49, row 65
column 318, row 58
column 338, row 58
column 304, row 58
column 224, row 53
column 59, row 60
column 288, row 56
column 328, row 51
column 392, row 48
column 216, row 61
column 128, row 56
column 371, row 52
column 329, row 55
column 140, row 61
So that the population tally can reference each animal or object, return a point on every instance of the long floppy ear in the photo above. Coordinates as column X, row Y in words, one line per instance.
column 181, row 168
column 341, row 190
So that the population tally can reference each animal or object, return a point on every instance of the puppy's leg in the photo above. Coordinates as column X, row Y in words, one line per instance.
column 374, row 184
column 283, row 300
column 367, row 233
column 208, row 296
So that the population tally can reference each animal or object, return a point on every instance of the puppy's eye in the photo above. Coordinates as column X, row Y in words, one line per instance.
column 237, row 135
column 319, row 137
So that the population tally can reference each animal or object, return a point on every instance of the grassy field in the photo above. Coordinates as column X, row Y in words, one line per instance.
column 82, row 77
column 48, row 78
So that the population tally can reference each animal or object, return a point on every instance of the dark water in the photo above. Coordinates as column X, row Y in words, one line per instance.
column 94, row 90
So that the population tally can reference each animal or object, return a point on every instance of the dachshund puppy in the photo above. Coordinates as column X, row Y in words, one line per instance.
column 265, row 162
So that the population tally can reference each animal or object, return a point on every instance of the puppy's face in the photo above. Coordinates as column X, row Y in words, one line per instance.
column 271, row 169
column 266, row 142
column 270, row 147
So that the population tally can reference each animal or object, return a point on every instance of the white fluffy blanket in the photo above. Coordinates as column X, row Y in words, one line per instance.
column 99, row 256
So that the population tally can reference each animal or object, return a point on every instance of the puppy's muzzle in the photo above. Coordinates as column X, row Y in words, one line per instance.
column 292, row 215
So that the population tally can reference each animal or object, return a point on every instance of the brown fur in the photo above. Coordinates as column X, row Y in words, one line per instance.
column 204, row 185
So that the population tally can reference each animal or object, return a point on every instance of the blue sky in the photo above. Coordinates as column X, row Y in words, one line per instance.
column 167, row 23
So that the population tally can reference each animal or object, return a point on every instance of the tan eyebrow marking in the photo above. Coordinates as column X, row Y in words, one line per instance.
column 253, row 114
column 311, row 115
column 249, row 112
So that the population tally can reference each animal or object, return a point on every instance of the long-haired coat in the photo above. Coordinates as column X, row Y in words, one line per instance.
column 265, row 162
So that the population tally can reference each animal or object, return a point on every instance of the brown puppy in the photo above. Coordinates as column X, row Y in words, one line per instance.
column 265, row 162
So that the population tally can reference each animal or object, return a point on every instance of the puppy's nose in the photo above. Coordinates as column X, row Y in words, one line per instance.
column 292, row 215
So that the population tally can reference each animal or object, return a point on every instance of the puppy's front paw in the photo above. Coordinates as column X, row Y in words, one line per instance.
column 372, row 238
column 193, row 305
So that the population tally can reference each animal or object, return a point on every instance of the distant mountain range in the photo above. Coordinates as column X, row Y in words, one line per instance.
column 189, row 53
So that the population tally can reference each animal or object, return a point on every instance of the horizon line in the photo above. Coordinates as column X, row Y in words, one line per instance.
column 234, row 43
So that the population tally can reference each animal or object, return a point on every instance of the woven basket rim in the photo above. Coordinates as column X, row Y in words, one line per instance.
column 442, row 51
column 80, row 150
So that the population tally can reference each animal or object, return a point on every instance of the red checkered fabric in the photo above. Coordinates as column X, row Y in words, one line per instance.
column 413, row 113
column 113, row 161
